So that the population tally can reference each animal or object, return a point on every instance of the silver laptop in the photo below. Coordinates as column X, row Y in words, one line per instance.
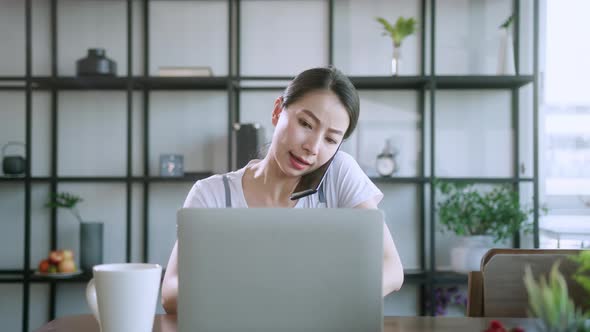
column 280, row 270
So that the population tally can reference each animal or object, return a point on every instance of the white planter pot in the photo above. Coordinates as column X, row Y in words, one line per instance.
column 466, row 256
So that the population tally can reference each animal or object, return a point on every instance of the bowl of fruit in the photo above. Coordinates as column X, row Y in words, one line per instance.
column 59, row 264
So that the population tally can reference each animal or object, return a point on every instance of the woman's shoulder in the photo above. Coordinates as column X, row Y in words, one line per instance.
column 345, row 168
column 347, row 184
column 344, row 160
column 216, row 181
column 202, row 193
column 210, row 192
column 212, row 180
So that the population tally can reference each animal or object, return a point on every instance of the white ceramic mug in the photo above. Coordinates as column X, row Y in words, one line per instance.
column 123, row 296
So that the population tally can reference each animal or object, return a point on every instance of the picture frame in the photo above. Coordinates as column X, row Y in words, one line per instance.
column 171, row 165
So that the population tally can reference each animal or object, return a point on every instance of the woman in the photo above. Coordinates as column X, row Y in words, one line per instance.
column 317, row 111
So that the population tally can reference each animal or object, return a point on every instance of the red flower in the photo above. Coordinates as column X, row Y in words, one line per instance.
column 496, row 324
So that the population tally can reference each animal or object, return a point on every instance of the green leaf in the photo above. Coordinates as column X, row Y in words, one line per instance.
column 507, row 22
column 65, row 200
column 399, row 31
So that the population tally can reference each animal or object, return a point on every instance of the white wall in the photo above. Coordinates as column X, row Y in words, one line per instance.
column 473, row 131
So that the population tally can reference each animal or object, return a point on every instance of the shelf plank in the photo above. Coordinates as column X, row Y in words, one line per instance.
column 91, row 178
column 258, row 82
column 21, row 79
column 84, row 277
column 203, row 175
column 11, row 279
column 120, row 83
column 448, row 277
column 66, row 179
column 262, row 83
column 482, row 82
column 11, row 276
column 13, row 83
column 390, row 82
column 409, row 276
column 187, row 178
column 485, row 179
column 399, row 179
column 191, row 177
column 415, row 276
column 360, row 82
column 12, row 179
column 9, row 271
column 184, row 83
column 82, row 83
column 413, row 82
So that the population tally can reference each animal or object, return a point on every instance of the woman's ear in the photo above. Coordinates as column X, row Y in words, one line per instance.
column 276, row 112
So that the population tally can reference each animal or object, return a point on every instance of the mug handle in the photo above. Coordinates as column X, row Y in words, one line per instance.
column 91, row 299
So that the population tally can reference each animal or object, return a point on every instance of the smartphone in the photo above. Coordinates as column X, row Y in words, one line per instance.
column 310, row 183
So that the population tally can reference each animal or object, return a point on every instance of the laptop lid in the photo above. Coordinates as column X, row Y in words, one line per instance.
column 280, row 270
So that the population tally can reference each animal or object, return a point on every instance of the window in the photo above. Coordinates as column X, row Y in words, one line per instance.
column 565, row 125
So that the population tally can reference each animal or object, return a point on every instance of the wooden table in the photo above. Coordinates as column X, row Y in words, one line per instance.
column 167, row 323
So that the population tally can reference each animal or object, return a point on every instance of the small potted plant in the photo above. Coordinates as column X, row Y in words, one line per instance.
column 506, row 49
column 480, row 219
column 398, row 32
column 91, row 233
column 549, row 301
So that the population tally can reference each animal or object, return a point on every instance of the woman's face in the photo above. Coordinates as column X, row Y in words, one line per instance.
column 308, row 132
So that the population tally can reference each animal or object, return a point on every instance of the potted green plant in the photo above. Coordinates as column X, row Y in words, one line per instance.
column 550, row 302
column 398, row 32
column 91, row 233
column 480, row 218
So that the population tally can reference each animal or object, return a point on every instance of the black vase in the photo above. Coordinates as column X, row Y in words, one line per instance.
column 96, row 64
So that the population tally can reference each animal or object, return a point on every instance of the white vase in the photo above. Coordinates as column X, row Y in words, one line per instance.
column 506, row 54
column 396, row 60
column 467, row 255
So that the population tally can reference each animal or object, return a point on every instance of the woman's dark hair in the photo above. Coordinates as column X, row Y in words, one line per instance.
column 325, row 78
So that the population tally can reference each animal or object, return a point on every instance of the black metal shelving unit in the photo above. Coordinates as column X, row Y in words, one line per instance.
column 234, row 84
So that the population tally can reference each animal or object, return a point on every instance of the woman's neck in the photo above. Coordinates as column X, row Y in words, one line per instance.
column 265, row 184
